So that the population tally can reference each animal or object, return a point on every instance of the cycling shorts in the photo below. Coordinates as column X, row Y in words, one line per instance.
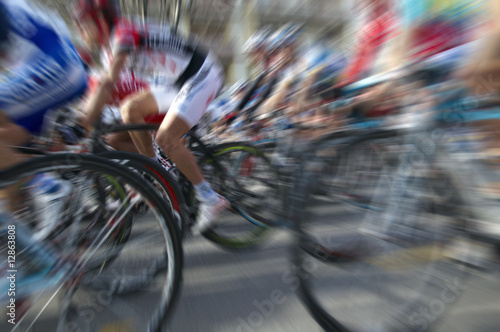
column 191, row 100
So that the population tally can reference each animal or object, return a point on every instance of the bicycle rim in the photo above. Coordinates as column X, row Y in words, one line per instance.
column 246, row 178
column 364, row 270
column 158, row 177
column 81, row 302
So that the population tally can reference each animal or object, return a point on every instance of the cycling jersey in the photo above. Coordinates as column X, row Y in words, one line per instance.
column 43, row 67
column 125, row 86
column 257, row 95
column 438, row 25
column 157, row 52
column 185, row 78
column 372, row 36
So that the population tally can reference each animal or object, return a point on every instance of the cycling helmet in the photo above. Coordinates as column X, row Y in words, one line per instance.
column 4, row 27
column 83, row 9
column 258, row 41
column 285, row 36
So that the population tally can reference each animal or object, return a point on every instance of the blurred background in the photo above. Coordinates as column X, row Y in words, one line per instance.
column 256, row 290
column 225, row 25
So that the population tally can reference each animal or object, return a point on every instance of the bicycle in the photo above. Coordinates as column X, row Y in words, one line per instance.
column 394, row 260
column 238, row 171
column 178, row 191
column 222, row 165
column 86, row 258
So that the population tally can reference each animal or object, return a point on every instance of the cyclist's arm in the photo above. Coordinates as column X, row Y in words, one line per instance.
column 303, row 94
column 274, row 101
column 268, row 88
column 103, row 94
column 366, row 101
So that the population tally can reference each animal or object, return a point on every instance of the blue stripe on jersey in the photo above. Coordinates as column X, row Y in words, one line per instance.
column 45, row 38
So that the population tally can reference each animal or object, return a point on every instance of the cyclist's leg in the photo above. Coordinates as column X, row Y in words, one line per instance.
column 11, row 133
column 122, row 142
column 7, row 156
column 26, row 94
column 136, row 108
column 185, row 112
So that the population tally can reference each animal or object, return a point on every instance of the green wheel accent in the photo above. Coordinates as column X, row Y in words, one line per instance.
column 241, row 147
column 122, row 195
column 117, row 185
column 243, row 242
column 255, row 230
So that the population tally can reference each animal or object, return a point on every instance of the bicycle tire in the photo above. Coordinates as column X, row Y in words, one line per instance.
column 351, row 174
column 76, row 162
column 259, row 226
column 364, row 265
column 101, row 198
column 171, row 191
column 124, row 231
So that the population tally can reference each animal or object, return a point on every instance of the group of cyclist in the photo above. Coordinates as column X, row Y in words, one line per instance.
column 49, row 72
column 45, row 71
column 446, row 33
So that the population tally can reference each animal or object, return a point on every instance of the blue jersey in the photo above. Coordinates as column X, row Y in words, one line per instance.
column 43, row 69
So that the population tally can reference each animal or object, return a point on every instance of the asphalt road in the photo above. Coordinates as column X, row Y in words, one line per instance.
column 254, row 290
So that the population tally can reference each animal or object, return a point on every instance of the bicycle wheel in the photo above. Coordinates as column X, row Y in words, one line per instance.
column 243, row 175
column 100, row 203
column 350, row 171
column 366, row 270
column 159, row 178
column 97, row 205
column 90, row 295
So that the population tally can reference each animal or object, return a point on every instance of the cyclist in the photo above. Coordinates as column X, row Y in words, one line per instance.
column 42, row 71
column 255, row 49
column 434, row 26
column 283, row 52
column 380, row 24
column 258, row 87
column 428, row 28
column 197, row 78
column 297, row 71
